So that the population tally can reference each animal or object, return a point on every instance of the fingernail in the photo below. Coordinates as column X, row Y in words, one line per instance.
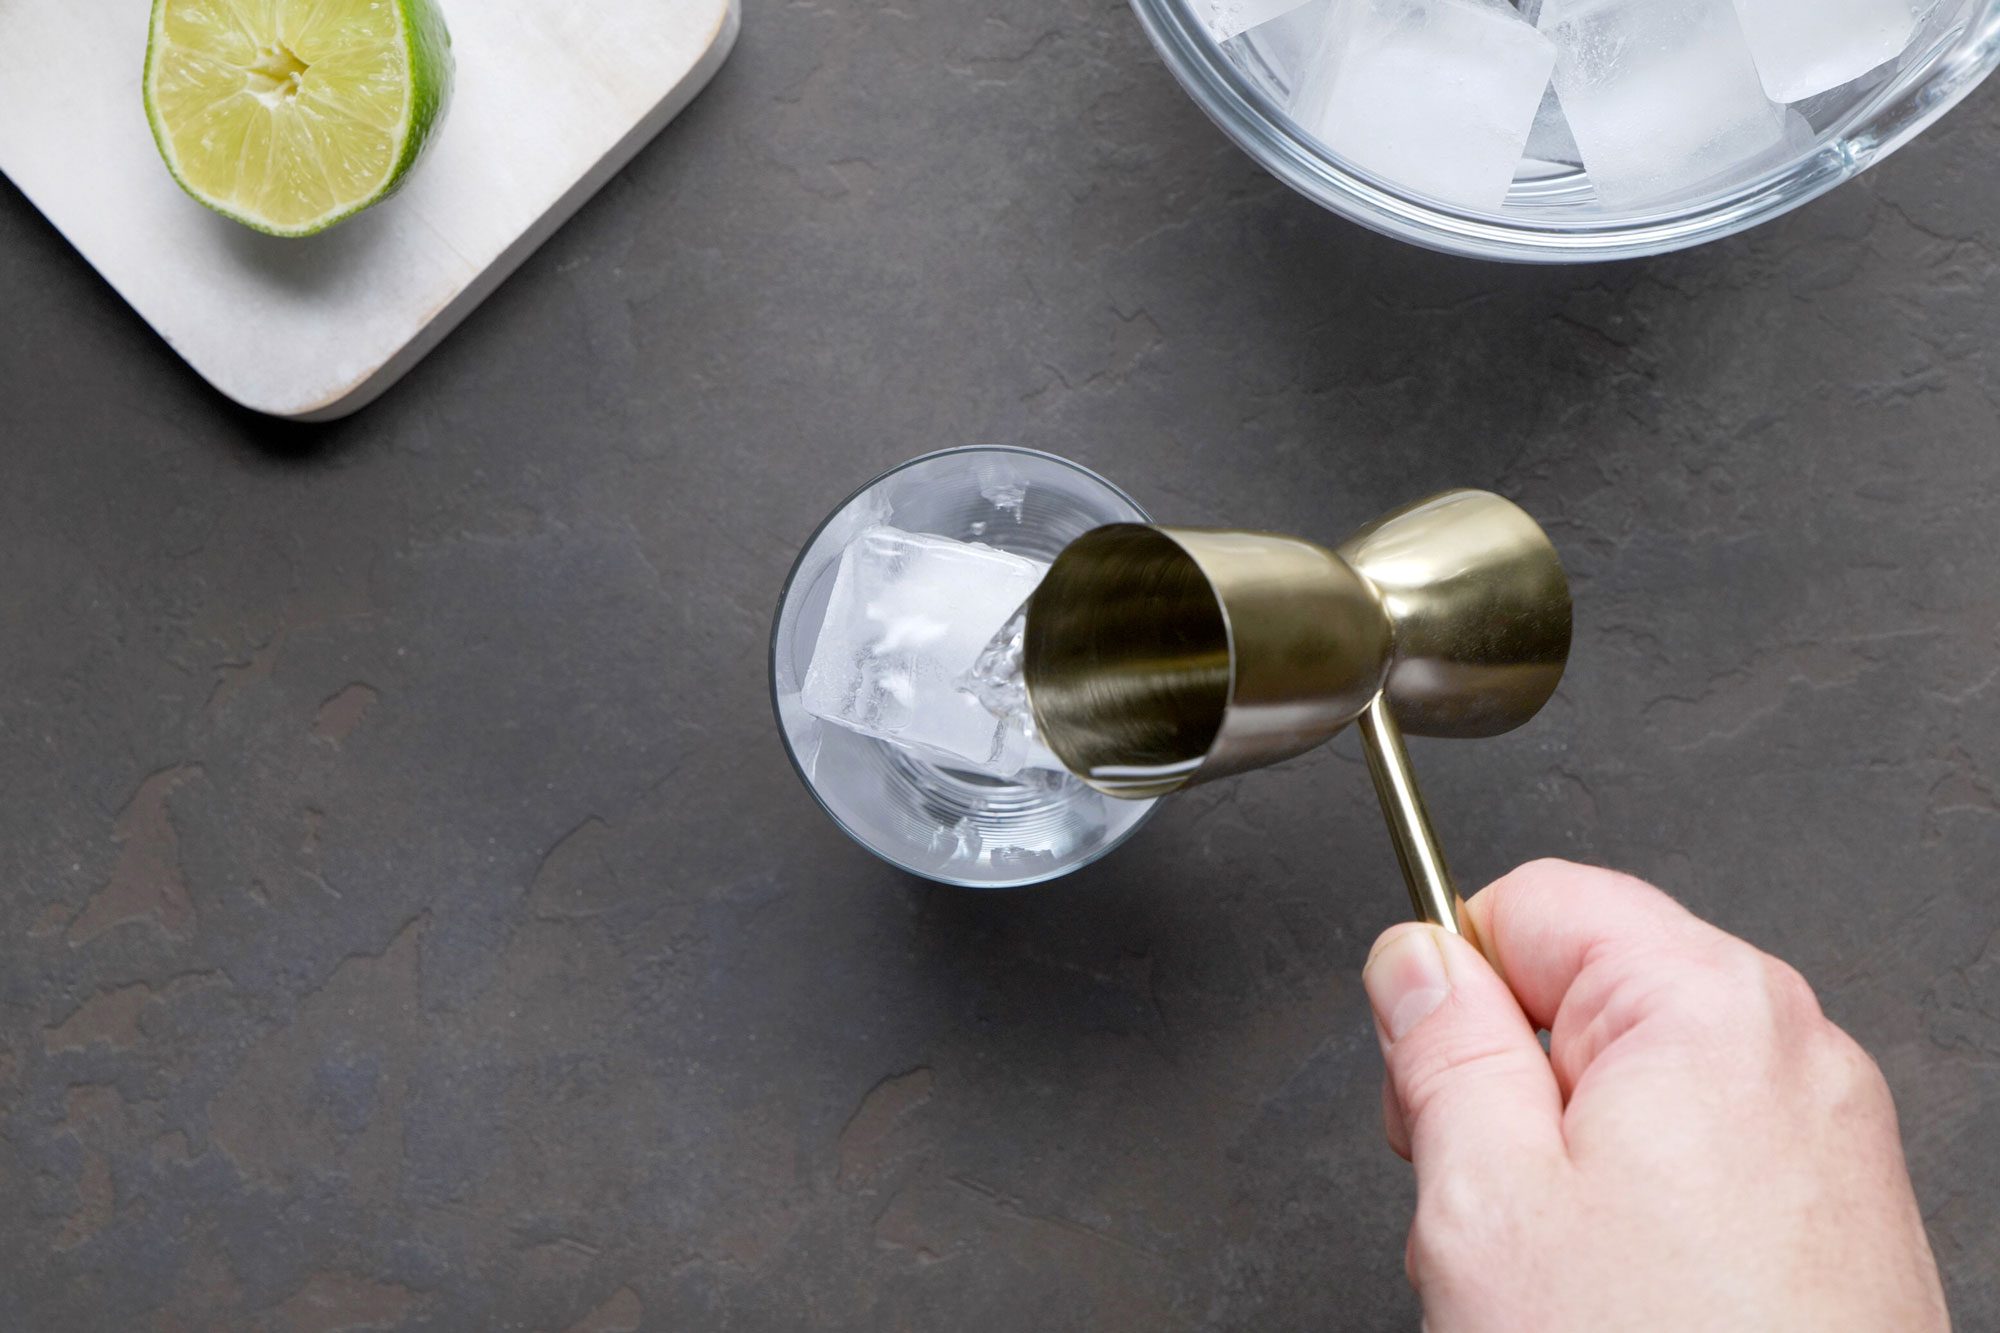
column 1406, row 979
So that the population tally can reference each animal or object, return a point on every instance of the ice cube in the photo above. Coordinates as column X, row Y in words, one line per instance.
column 997, row 678
column 907, row 616
column 1277, row 53
column 1228, row 18
column 1660, row 94
column 1804, row 47
column 1797, row 140
column 1550, row 141
column 1002, row 487
column 1436, row 96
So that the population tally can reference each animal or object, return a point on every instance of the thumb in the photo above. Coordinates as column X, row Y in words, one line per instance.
column 1473, row 1088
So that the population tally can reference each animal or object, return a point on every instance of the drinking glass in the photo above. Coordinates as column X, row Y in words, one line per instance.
column 915, row 811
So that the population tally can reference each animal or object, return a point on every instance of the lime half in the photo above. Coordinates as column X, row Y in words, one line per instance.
column 291, row 115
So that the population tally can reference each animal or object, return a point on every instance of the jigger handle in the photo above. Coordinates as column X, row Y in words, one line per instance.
column 1432, row 893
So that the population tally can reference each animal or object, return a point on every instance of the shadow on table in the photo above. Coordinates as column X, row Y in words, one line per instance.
column 1130, row 960
column 283, row 441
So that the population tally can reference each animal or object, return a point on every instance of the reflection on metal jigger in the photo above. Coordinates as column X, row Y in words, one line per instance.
column 1158, row 657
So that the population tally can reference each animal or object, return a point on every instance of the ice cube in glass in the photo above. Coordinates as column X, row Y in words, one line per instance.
column 908, row 615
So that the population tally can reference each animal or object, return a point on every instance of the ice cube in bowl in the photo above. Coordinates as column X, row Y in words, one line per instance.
column 1805, row 47
column 1553, row 211
column 1227, row 18
column 1437, row 96
column 1659, row 94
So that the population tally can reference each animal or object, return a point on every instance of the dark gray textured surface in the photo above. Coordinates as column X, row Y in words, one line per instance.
column 413, row 922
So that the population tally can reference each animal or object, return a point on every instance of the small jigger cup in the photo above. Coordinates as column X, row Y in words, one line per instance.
column 1156, row 658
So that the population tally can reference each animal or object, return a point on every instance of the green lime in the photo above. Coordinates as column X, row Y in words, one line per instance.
column 292, row 115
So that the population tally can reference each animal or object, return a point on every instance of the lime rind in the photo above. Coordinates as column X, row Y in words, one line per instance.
column 423, row 45
column 432, row 71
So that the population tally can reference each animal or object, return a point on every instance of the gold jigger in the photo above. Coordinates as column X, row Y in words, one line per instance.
column 1156, row 658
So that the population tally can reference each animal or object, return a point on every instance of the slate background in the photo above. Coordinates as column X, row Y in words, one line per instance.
column 413, row 922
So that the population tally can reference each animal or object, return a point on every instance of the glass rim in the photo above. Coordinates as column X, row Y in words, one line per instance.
column 777, row 710
column 1902, row 108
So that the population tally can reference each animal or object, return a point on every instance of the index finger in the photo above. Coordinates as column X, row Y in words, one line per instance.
column 1545, row 922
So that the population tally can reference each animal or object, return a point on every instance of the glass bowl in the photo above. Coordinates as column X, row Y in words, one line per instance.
column 1552, row 215
column 922, row 815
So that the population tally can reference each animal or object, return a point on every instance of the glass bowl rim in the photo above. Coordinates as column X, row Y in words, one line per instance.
column 1248, row 117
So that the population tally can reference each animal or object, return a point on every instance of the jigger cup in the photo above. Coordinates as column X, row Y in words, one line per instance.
column 1159, row 657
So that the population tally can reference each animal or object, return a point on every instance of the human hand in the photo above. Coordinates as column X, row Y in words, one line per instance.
column 1700, row 1149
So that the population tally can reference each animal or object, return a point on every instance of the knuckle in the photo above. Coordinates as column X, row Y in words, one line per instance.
column 1559, row 880
column 1463, row 1225
column 1789, row 995
column 1852, row 1079
column 1708, row 993
column 1547, row 867
column 1534, row 889
column 1733, row 989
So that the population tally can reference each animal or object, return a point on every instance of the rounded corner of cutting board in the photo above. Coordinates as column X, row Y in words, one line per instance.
column 317, row 403
column 372, row 385
column 714, row 26
column 732, row 24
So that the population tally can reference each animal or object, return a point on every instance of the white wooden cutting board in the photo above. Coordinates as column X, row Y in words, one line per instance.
column 552, row 98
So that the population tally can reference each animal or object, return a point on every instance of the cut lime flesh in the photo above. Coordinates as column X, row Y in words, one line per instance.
column 292, row 115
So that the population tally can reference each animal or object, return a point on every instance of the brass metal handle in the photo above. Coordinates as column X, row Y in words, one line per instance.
column 1433, row 896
